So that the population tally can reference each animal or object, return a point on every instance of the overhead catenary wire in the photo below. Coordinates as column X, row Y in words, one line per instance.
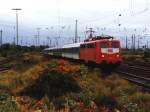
column 131, row 7
column 129, row 13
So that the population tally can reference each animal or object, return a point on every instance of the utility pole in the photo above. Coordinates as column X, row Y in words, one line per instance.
column 134, row 41
column 132, row 45
column 139, row 38
column 76, row 31
column 126, row 42
column 38, row 35
column 17, row 35
column 21, row 42
column 79, row 39
column 49, row 41
column 48, row 38
column 147, row 44
column 1, row 37
column 36, row 40
column 138, row 42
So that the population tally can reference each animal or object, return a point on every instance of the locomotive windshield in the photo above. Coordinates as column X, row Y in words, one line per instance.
column 104, row 45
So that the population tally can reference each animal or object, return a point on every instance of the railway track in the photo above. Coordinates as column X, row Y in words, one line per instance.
column 145, row 82
column 3, row 66
column 139, row 63
column 136, row 73
column 4, row 69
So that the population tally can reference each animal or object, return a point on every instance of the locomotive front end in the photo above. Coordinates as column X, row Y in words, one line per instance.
column 110, row 52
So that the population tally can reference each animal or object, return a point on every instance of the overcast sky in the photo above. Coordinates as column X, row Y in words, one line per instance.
column 90, row 13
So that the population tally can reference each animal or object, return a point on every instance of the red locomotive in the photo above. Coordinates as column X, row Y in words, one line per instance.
column 99, row 50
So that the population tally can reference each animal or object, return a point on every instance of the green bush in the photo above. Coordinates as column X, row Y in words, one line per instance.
column 83, row 70
column 52, row 64
column 7, row 103
column 146, row 53
column 9, row 50
column 107, row 101
column 53, row 85
column 131, row 107
column 84, row 97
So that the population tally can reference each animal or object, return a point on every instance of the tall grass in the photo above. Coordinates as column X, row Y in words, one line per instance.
column 8, row 103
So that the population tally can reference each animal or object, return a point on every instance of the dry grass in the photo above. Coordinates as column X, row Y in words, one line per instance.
column 13, row 80
column 17, row 78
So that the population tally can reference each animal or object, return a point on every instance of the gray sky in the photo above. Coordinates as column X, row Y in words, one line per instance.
column 54, row 14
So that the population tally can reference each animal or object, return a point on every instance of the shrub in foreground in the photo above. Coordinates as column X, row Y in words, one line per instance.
column 52, row 84
column 106, row 101
column 7, row 103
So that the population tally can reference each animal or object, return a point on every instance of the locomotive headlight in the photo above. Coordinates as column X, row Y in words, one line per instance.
column 103, row 56
column 117, row 56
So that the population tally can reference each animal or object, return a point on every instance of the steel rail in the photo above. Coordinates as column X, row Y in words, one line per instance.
column 136, row 79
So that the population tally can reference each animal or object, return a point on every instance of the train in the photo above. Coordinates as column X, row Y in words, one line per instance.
column 102, row 50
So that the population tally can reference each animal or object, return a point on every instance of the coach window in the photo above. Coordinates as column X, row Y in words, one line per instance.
column 90, row 45
column 104, row 45
column 115, row 45
column 83, row 46
column 93, row 45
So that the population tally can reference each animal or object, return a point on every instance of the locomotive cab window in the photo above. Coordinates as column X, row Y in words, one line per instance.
column 88, row 45
column 104, row 45
column 115, row 45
